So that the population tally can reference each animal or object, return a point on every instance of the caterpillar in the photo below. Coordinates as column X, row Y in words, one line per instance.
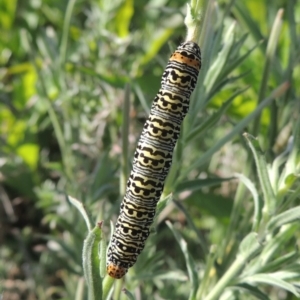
column 153, row 159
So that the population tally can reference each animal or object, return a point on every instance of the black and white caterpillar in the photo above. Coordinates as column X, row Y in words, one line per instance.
column 153, row 158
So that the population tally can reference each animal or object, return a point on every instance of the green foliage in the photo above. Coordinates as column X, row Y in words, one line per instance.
column 77, row 79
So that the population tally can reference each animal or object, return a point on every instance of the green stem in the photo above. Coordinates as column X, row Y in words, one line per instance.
column 194, row 19
column 107, row 284
column 218, row 289
column 249, row 247
column 118, row 289
column 209, row 267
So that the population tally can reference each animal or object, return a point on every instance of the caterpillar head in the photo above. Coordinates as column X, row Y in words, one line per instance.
column 190, row 48
column 187, row 53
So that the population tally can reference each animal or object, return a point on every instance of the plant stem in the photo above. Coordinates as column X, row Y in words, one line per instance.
column 248, row 248
column 107, row 284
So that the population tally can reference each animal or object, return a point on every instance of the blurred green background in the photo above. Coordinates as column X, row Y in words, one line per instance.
column 66, row 70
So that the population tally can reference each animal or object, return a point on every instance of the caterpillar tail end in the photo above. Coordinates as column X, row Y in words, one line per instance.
column 115, row 271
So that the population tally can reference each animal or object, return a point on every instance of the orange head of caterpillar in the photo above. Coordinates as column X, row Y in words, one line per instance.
column 116, row 271
column 188, row 53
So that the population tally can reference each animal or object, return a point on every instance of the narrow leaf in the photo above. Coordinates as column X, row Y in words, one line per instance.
column 289, row 216
column 198, row 184
column 219, row 63
column 191, row 224
column 243, row 14
column 161, row 205
column 250, row 246
column 82, row 210
column 253, row 291
column 272, row 279
column 257, row 202
column 128, row 294
column 261, row 166
column 188, row 260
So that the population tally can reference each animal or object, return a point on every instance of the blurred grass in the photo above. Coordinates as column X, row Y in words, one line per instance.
column 66, row 70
